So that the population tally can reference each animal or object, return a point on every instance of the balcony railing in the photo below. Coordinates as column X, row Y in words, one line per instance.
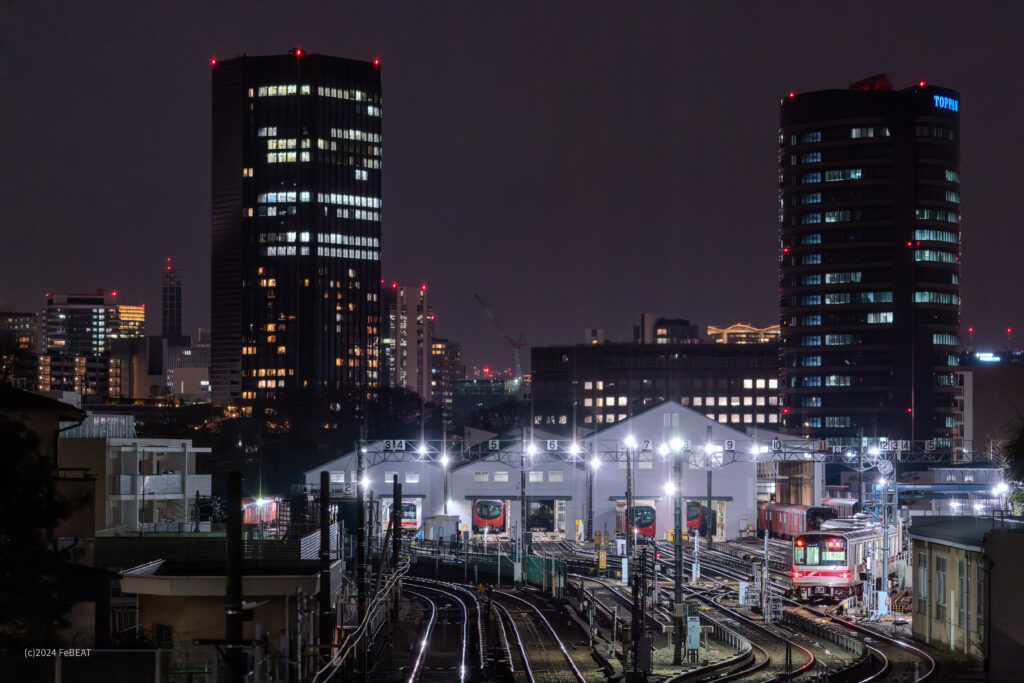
column 161, row 484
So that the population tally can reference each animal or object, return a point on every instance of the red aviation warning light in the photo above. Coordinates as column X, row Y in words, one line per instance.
column 792, row 94
column 297, row 52
column 376, row 61
column 921, row 84
column 213, row 61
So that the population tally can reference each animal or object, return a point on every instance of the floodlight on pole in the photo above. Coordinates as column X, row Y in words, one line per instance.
column 595, row 462
column 676, row 443
column 630, row 442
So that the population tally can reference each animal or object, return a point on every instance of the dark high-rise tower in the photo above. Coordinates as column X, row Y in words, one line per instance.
column 869, row 276
column 296, row 236
column 171, row 312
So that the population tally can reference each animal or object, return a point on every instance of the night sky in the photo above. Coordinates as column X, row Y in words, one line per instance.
column 574, row 163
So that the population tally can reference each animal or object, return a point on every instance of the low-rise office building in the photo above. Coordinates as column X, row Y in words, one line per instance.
column 955, row 583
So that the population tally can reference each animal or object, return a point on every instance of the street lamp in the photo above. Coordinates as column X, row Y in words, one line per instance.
column 444, row 474
column 677, row 542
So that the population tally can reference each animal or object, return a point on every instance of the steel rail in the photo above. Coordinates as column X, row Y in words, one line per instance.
column 465, row 619
column 579, row 676
column 417, row 667
column 527, row 668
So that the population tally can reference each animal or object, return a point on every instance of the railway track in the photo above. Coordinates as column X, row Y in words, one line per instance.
column 443, row 651
column 542, row 655
column 892, row 658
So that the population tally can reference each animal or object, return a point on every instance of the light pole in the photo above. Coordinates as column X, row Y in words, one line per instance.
column 595, row 463
column 677, row 543
column 630, row 445
column 444, row 475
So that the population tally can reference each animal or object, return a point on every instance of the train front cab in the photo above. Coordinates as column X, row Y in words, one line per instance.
column 489, row 516
column 644, row 516
column 822, row 564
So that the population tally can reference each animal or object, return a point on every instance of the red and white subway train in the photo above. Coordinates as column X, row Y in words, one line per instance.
column 836, row 559
column 787, row 521
column 410, row 515
column 489, row 516
column 642, row 515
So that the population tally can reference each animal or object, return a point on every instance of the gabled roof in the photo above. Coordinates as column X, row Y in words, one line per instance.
column 17, row 401
column 962, row 532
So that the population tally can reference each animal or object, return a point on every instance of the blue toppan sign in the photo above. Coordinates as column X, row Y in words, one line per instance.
column 943, row 102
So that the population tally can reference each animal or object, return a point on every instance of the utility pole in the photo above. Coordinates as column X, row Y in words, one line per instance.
column 629, row 500
column 590, row 500
column 677, row 579
column 712, row 518
column 233, row 604
column 326, row 616
column 396, row 523
column 361, row 578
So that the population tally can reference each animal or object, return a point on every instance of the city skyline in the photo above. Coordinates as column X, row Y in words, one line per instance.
column 593, row 192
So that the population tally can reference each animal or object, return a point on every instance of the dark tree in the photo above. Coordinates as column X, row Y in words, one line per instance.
column 30, row 611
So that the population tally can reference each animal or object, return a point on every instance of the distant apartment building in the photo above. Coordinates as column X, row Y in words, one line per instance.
column 19, row 349
column 744, row 334
column 655, row 328
column 446, row 369
column 79, row 330
column 131, row 321
column 735, row 384
column 407, row 336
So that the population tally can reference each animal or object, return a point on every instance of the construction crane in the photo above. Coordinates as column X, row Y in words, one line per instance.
column 516, row 344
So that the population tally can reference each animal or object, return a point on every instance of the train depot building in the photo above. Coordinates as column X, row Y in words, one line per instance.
column 477, row 485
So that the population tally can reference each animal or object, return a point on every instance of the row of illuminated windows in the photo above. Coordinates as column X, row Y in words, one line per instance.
column 930, row 235
column 709, row 401
column 830, row 421
column 952, row 176
column 280, row 90
column 937, row 215
column 831, row 339
column 936, row 298
column 365, row 254
column 343, row 94
column 945, row 339
column 349, row 199
column 869, row 132
column 289, row 237
column 286, row 143
column 347, row 240
column 845, row 298
column 934, row 132
column 269, row 383
column 760, row 384
column 830, row 216
column 935, row 256
column 359, row 214
column 287, row 157
column 817, row 381
column 830, row 278
column 746, row 418
column 267, row 131
column 355, row 134
column 280, row 197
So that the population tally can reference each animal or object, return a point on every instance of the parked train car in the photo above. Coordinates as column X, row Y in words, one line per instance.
column 260, row 510
column 489, row 515
column 410, row 515
column 642, row 515
column 789, row 521
column 700, row 519
column 835, row 560
column 844, row 507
